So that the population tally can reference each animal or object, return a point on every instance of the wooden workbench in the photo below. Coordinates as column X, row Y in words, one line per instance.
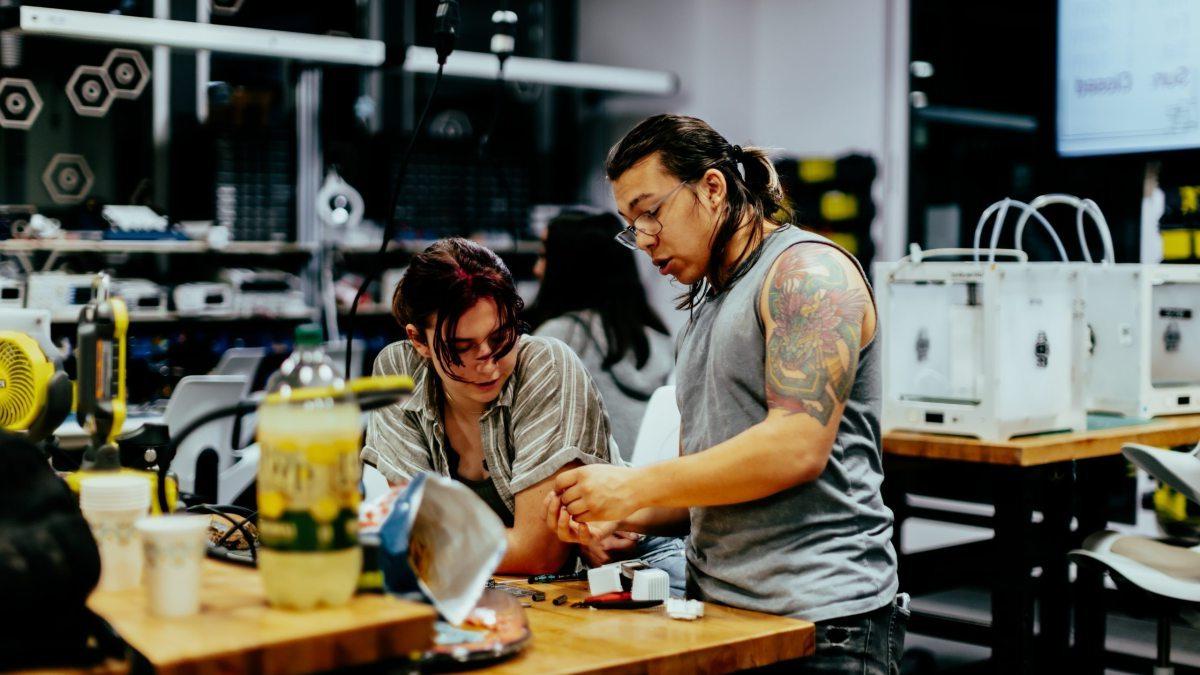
column 237, row 632
column 571, row 640
column 1067, row 477
column 1047, row 448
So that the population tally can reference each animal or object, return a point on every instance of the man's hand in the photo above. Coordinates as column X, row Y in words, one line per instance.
column 598, row 492
column 599, row 542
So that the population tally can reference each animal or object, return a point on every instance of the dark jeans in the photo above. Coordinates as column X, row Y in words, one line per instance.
column 870, row 643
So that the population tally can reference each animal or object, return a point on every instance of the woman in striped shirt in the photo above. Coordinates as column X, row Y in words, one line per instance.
column 502, row 412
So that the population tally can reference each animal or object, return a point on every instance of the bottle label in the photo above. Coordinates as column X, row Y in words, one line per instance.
column 308, row 492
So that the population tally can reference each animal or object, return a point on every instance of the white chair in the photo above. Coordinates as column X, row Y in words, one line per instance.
column 240, row 361
column 1163, row 576
column 658, row 437
column 194, row 396
column 243, row 361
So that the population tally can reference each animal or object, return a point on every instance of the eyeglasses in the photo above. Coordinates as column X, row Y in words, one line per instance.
column 647, row 223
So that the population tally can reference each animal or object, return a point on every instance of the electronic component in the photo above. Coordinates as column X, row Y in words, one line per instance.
column 517, row 591
column 203, row 299
column 254, row 194
column 685, row 610
column 266, row 293
column 551, row 578
column 991, row 350
column 141, row 296
column 133, row 218
column 61, row 293
column 605, row 579
column 12, row 293
column 1144, row 328
column 1141, row 321
column 651, row 584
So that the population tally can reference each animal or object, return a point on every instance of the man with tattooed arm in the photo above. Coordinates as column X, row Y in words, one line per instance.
column 777, row 483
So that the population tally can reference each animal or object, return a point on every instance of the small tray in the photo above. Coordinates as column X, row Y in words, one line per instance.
column 477, row 644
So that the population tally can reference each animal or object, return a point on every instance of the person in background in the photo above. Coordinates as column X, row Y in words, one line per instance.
column 778, row 388
column 501, row 412
column 591, row 298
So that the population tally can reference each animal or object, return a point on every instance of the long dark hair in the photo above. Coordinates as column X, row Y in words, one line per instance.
column 688, row 147
column 586, row 269
column 444, row 281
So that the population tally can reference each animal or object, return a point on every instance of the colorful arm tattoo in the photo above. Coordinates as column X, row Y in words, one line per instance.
column 814, row 332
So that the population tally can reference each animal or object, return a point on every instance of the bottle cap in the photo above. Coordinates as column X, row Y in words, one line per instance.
column 309, row 335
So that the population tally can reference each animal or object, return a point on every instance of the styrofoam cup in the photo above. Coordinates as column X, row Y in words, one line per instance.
column 115, row 492
column 174, row 548
column 111, row 505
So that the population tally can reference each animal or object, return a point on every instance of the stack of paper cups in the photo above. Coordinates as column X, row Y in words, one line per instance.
column 174, row 555
column 111, row 505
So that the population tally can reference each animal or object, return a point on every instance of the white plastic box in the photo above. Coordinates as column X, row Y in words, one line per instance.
column 990, row 350
column 1145, row 339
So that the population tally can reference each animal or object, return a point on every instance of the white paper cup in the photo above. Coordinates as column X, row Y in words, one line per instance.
column 111, row 505
column 174, row 548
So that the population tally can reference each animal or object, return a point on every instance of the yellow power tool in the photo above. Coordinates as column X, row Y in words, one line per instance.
column 100, row 373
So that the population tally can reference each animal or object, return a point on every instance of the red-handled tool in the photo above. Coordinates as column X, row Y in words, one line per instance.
column 623, row 600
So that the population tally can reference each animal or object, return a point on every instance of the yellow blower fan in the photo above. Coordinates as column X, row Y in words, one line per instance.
column 35, row 395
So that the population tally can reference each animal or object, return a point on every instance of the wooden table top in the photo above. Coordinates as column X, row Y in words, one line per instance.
column 610, row 641
column 237, row 632
column 1045, row 449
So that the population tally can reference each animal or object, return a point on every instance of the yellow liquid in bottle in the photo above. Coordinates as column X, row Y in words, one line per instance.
column 308, row 503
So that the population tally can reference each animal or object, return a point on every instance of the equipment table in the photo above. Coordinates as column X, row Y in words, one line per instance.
column 573, row 640
column 1063, row 476
column 237, row 632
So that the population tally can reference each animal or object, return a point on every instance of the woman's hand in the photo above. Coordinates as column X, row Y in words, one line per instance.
column 614, row 547
column 570, row 530
column 599, row 542
column 598, row 492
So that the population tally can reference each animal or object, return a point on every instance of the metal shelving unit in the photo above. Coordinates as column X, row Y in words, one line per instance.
column 72, row 317
column 151, row 246
column 527, row 247
column 24, row 249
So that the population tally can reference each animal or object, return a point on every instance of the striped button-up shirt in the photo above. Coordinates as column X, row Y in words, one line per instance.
column 547, row 415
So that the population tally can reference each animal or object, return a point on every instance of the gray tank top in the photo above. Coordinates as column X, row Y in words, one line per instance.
column 815, row 551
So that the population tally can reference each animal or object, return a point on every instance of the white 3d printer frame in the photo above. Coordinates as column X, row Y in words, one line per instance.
column 1143, row 321
column 1145, row 327
column 992, row 350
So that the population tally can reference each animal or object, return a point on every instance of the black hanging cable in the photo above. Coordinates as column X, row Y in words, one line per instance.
column 445, row 33
column 366, row 401
column 164, row 464
column 236, row 526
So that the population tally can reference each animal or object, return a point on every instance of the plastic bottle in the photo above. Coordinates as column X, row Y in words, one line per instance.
column 308, row 482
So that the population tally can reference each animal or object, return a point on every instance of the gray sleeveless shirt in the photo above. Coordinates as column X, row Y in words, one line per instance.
column 817, row 551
